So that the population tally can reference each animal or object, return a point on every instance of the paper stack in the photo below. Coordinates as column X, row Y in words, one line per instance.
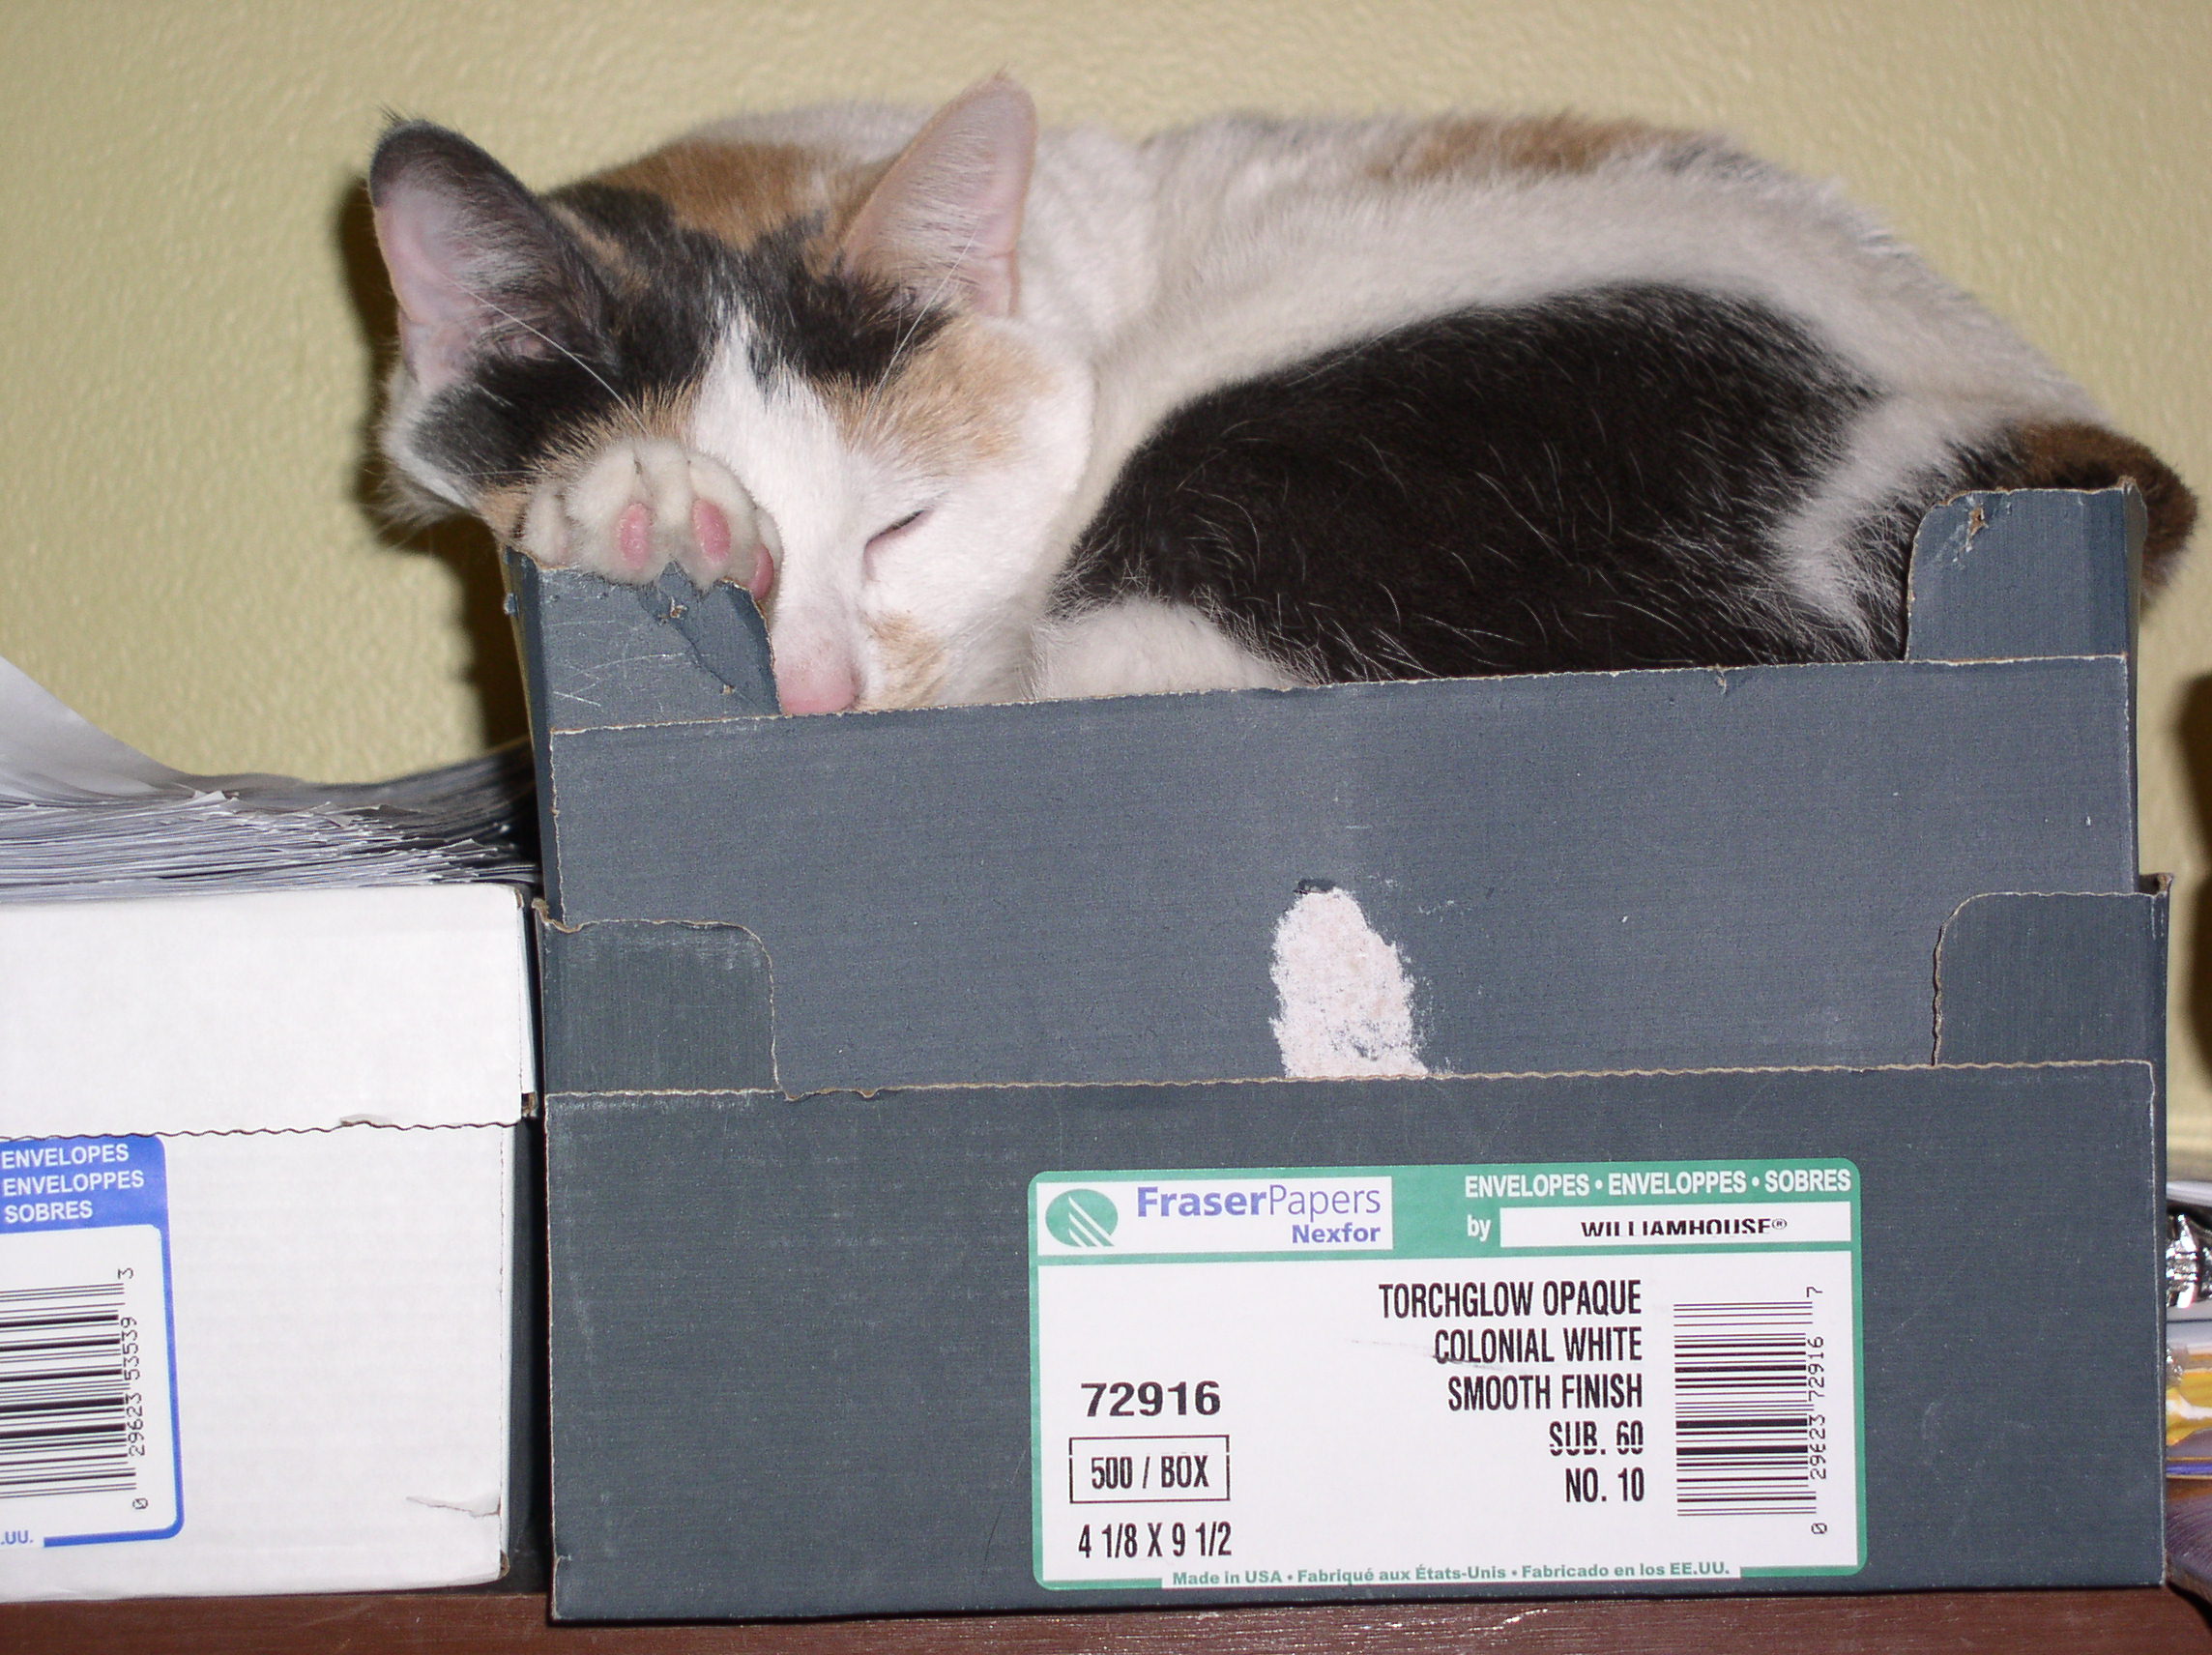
column 83, row 815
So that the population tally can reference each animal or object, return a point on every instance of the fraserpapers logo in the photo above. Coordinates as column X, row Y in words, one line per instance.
column 1229, row 1213
column 1082, row 1218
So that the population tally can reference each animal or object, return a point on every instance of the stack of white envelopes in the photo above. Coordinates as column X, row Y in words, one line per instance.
column 259, row 1147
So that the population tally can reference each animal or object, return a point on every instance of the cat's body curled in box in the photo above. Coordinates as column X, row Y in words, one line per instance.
column 980, row 414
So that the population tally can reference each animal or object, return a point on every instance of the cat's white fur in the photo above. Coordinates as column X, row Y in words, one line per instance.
column 1149, row 271
column 828, row 500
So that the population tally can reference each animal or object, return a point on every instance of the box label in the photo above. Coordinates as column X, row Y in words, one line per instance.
column 88, row 1452
column 1445, row 1376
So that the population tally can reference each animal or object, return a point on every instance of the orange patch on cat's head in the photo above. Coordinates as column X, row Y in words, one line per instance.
column 950, row 405
column 1473, row 146
column 912, row 659
column 741, row 191
column 736, row 191
column 502, row 507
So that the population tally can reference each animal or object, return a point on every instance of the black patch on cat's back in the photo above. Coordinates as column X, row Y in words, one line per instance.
column 1586, row 482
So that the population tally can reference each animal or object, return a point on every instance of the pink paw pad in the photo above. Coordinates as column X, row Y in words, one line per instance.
column 633, row 537
column 712, row 530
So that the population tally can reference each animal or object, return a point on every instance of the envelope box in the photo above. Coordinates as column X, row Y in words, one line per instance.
column 261, row 1159
column 810, row 1357
column 1007, row 934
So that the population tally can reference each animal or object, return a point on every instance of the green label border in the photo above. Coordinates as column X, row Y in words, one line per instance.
column 1431, row 1231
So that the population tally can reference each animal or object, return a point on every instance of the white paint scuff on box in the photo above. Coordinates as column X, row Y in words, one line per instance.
column 1344, row 1000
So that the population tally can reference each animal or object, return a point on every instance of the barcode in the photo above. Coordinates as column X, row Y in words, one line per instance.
column 67, row 1403
column 1744, row 1381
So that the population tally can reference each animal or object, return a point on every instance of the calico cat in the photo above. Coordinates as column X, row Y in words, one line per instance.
column 982, row 414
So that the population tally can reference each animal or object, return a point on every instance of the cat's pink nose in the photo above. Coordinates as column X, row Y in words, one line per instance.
column 816, row 687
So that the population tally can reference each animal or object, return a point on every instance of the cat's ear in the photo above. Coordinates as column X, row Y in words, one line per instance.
column 943, row 220
column 478, row 267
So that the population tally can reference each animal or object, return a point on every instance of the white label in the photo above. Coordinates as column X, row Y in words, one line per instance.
column 1677, row 1225
column 1638, row 1390
column 88, row 1453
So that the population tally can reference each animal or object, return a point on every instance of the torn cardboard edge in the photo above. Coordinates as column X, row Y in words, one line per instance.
column 570, row 1099
column 1344, row 997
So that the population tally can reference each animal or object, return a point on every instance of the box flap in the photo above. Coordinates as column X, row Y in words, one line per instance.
column 639, row 1005
column 2027, row 978
column 404, row 1006
column 2037, row 572
column 1711, row 868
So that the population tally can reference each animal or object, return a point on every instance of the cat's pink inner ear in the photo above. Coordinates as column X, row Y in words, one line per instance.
column 428, row 252
column 945, row 220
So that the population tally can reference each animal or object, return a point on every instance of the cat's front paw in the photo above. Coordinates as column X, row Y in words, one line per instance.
column 644, row 503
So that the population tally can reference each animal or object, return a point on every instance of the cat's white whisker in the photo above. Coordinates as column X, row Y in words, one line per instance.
column 500, row 310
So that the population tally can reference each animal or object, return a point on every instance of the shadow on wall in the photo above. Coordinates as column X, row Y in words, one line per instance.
column 2194, row 730
column 463, row 545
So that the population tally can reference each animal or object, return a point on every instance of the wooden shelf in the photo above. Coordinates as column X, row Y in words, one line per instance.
column 494, row 1623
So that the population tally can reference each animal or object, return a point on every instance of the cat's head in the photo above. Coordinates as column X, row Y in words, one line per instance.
column 839, row 333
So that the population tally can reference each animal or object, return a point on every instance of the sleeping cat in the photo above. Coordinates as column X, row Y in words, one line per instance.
column 979, row 415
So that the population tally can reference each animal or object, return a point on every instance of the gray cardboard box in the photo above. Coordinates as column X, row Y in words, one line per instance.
column 841, row 1013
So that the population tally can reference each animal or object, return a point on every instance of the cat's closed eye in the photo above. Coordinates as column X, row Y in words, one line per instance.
column 884, row 538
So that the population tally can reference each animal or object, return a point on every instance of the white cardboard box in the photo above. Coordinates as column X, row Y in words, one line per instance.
column 309, row 1102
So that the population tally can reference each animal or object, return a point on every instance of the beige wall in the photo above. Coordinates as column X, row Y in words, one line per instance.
column 183, row 279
